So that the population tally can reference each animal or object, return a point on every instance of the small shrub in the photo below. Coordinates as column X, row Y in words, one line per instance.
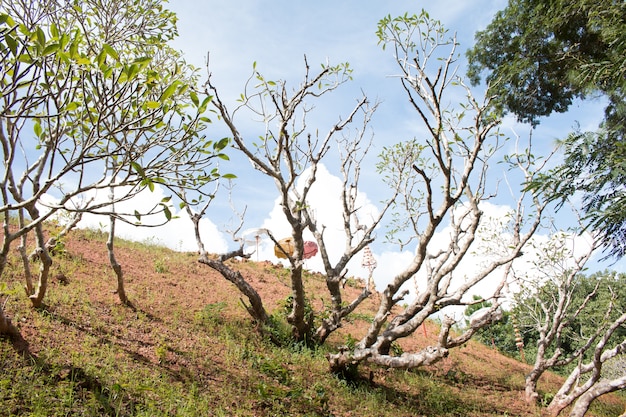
column 396, row 349
column 160, row 266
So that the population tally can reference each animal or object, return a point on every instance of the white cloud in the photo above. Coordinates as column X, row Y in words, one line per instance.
column 325, row 201
column 176, row 234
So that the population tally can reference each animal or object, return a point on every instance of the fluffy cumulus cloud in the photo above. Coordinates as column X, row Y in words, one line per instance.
column 325, row 201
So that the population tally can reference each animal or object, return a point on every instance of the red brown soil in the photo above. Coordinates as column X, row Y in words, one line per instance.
column 172, row 298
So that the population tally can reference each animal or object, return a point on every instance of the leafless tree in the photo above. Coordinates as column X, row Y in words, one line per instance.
column 548, row 302
column 550, row 316
column 582, row 392
column 449, row 159
column 290, row 152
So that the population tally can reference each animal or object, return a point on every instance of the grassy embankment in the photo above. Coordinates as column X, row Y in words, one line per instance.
column 188, row 349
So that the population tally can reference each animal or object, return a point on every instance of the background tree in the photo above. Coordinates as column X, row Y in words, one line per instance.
column 449, row 164
column 574, row 322
column 587, row 381
column 545, row 304
column 290, row 153
column 93, row 101
column 539, row 56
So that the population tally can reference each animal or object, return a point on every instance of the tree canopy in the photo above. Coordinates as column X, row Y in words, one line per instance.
column 539, row 56
column 93, row 100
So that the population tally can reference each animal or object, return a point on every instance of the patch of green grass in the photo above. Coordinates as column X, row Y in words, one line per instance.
column 160, row 266
column 604, row 409
column 211, row 315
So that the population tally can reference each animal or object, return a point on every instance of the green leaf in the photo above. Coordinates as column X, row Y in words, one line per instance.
column 194, row 98
column 137, row 215
column 169, row 91
column 221, row 144
column 5, row 18
column 11, row 43
column 229, row 176
column 167, row 212
column 166, row 199
column 204, row 104
column 153, row 104
column 54, row 30
column 110, row 52
column 138, row 168
column 71, row 106
column 101, row 58
column 37, row 128
column 131, row 72
column 41, row 36
column 25, row 58
column 74, row 49
column 143, row 61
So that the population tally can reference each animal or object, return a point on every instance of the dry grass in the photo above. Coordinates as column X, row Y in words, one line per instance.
column 188, row 348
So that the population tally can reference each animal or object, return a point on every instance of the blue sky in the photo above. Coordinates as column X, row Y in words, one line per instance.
column 276, row 35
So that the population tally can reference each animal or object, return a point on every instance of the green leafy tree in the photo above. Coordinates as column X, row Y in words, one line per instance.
column 538, row 57
column 595, row 167
column 93, row 101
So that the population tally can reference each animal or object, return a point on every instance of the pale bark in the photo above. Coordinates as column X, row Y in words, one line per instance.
column 603, row 387
column 255, row 308
column 440, row 193
column 5, row 321
column 344, row 358
column 45, row 262
column 334, row 321
column 553, row 317
column 584, row 391
column 286, row 152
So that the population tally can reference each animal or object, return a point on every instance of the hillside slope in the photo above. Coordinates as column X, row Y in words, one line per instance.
column 189, row 349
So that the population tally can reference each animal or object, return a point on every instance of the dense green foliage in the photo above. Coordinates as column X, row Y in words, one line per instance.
column 594, row 165
column 608, row 292
column 500, row 335
column 540, row 56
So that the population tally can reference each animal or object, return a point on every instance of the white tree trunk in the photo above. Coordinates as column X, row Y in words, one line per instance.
column 603, row 387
